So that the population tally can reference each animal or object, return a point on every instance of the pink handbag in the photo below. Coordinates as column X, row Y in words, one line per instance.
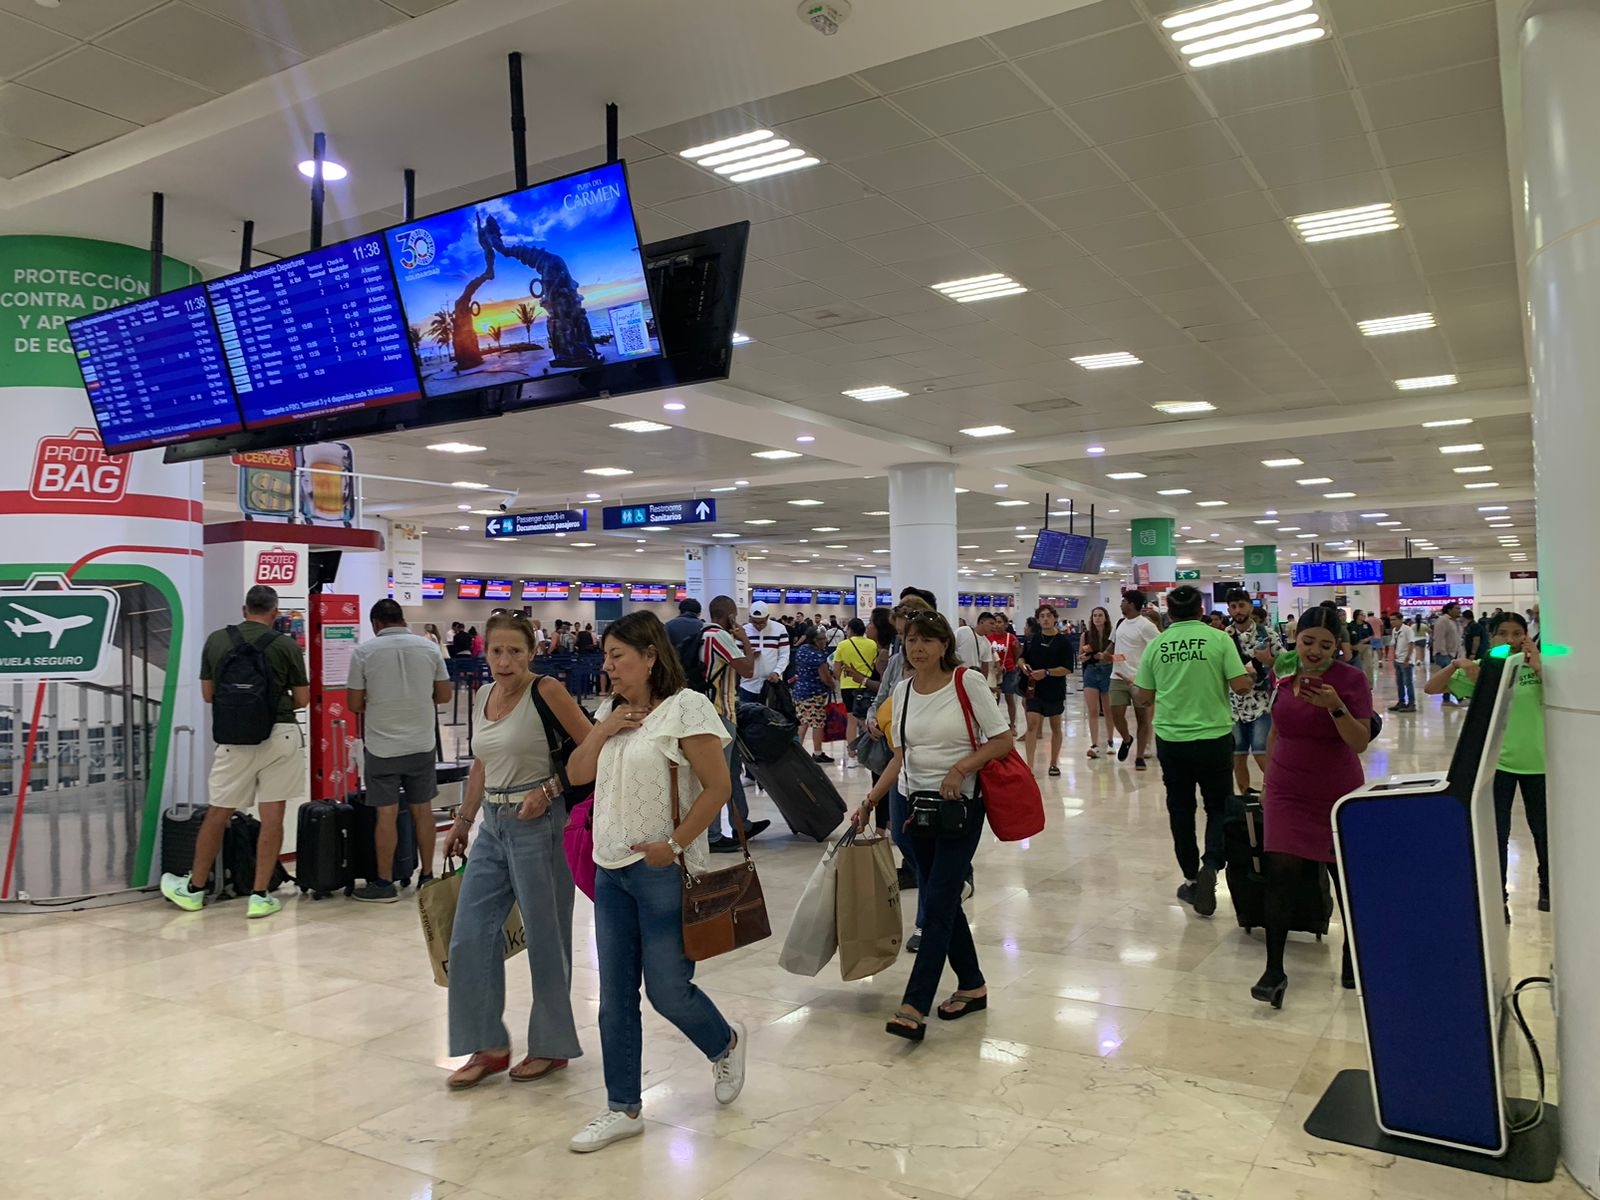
column 577, row 839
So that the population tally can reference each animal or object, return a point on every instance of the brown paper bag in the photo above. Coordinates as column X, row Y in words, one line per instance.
column 436, row 904
column 867, row 907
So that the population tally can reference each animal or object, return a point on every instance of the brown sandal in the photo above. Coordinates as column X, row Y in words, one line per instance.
column 551, row 1065
column 476, row 1069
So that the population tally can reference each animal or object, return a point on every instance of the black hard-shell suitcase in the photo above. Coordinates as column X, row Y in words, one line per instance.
column 323, row 847
column 806, row 797
column 364, row 847
column 1243, row 831
column 180, row 824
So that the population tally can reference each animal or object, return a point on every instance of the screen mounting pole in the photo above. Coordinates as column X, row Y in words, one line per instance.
column 319, row 155
column 519, row 122
column 247, row 246
column 611, row 133
column 408, row 198
column 158, row 213
column 1091, row 520
column 1047, row 510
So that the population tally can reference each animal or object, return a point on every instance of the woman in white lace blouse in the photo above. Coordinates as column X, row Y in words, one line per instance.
column 651, row 728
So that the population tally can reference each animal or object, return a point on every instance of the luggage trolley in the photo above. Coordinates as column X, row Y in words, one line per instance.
column 1419, row 861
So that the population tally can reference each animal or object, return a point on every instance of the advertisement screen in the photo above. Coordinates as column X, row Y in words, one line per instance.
column 497, row 589
column 469, row 589
column 534, row 283
column 315, row 334
column 154, row 371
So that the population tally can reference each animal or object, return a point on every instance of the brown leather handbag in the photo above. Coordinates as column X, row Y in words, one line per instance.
column 722, row 910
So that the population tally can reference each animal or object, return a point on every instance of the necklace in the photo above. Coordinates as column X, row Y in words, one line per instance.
column 506, row 707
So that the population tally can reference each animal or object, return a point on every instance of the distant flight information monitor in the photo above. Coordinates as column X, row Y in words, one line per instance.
column 1069, row 552
column 154, row 371
column 316, row 334
column 534, row 283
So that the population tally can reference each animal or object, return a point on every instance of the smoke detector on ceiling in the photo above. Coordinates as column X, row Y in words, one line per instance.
column 825, row 16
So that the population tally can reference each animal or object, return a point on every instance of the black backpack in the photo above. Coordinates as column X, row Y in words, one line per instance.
column 244, row 704
column 690, row 655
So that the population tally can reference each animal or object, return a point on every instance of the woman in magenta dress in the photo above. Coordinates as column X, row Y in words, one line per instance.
column 1321, row 722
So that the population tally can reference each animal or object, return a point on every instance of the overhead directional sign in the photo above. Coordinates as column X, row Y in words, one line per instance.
column 528, row 523
column 1186, row 575
column 52, row 630
column 662, row 512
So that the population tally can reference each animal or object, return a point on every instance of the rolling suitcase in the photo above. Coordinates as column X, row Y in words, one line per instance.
column 1243, row 832
column 806, row 797
column 180, row 824
column 322, row 847
column 364, row 847
column 239, row 859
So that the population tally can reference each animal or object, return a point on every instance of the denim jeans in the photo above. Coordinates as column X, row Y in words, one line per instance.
column 899, row 810
column 519, row 862
column 738, row 804
column 1405, row 683
column 1206, row 765
column 942, row 866
column 638, row 927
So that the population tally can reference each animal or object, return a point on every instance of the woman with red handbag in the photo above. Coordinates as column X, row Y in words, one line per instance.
column 936, row 765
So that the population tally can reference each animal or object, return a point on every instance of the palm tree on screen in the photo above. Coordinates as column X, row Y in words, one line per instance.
column 442, row 329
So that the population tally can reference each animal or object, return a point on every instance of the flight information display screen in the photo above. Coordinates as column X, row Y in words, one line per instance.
column 316, row 334
column 1069, row 552
column 534, row 283
column 1324, row 574
column 154, row 371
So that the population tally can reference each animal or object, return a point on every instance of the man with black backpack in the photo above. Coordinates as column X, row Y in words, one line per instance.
column 254, row 679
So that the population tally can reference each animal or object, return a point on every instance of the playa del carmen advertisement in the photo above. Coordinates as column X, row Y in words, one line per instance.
column 533, row 283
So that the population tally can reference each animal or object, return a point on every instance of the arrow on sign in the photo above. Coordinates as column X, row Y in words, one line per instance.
column 701, row 510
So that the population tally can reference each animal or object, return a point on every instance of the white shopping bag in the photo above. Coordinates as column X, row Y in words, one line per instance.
column 814, row 934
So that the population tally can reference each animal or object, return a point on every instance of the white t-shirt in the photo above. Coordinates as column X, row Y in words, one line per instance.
column 1404, row 638
column 973, row 651
column 1130, row 638
column 936, row 731
column 633, row 786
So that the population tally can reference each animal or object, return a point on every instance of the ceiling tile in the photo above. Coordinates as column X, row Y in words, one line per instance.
column 186, row 42
column 1382, row 259
column 1445, row 93
column 126, row 89
column 907, row 245
column 1230, row 212
column 1091, row 208
column 795, row 296
column 784, row 236
column 1160, row 153
column 1173, row 279
column 1058, row 176
column 1482, row 171
column 310, row 26
column 659, row 181
column 862, row 218
column 1001, row 225
column 49, row 121
column 1445, row 39
column 416, row 8
column 1295, row 73
column 1079, row 283
column 976, row 98
column 707, row 127
column 1021, row 259
column 956, row 198
column 864, row 128
column 18, row 155
column 935, row 64
column 764, row 277
column 863, row 283
column 1131, row 261
column 907, row 302
column 1346, row 191
column 1107, row 63
column 825, row 260
column 1084, row 21
column 1169, row 104
column 807, row 101
column 908, row 166
column 802, row 191
column 1258, row 250
column 1210, row 182
column 1309, row 162
column 1022, row 140
column 1134, row 230
column 24, row 45
column 722, row 207
column 1304, row 122
column 1463, row 134
column 1353, row 16
column 80, row 18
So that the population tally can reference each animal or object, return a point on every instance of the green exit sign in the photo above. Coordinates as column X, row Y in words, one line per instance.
column 1185, row 575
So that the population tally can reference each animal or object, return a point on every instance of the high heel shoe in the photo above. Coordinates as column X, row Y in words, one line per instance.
column 1270, row 990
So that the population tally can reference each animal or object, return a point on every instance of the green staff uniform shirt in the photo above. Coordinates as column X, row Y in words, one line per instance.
column 1188, row 668
column 1522, row 752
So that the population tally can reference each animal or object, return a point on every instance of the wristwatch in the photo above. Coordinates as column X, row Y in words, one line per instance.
column 677, row 850
column 1338, row 712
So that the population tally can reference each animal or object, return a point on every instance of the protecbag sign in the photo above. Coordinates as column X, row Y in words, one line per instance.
column 77, row 469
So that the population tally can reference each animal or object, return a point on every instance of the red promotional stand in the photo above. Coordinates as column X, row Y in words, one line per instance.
column 335, row 632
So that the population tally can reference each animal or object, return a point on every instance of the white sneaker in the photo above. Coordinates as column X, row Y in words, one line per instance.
column 727, row 1073
column 608, row 1127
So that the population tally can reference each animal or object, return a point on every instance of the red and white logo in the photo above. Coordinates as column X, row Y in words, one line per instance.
column 276, row 567
column 77, row 469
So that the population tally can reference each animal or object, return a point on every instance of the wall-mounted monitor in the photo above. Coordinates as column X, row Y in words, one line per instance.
column 797, row 595
column 1072, row 553
column 680, row 593
column 766, row 595
column 433, row 587
column 600, row 591
column 469, row 589
column 830, row 597
column 1408, row 570
column 885, row 598
column 497, row 589
column 650, row 593
column 1348, row 571
column 546, row 589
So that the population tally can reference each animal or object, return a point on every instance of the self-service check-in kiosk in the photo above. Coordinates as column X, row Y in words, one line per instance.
column 1419, row 862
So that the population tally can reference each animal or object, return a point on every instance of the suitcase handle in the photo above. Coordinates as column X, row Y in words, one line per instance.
column 183, row 809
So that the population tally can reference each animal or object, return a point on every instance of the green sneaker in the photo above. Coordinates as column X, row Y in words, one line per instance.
column 263, row 906
column 176, row 888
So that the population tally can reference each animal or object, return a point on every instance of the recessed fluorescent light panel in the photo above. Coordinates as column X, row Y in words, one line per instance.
column 806, row 503
column 753, row 155
column 1471, row 470
column 1175, row 492
column 1472, row 486
column 983, row 431
column 1101, row 362
column 1337, row 495
column 1314, row 482
column 1462, row 448
column 456, row 448
column 1211, row 504
column 1383, row 326
column 775, row 455
column 1184, row 408
column 1283, row 462
column 741, row 339
column 607, row 471
column 1493, row 507
column 470, row 485
column 640, row 426
column 1009, row 503
column 1447, row 424
column 979, row 287
column 1218, row 33
column 1420, row 382
column 1125, row 475
column 870, row 394
column 1338, row 223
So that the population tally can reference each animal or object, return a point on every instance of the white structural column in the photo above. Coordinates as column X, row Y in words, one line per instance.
column 1027, row 595
column 922, row 530
column 719, row 575
column 1559, row 46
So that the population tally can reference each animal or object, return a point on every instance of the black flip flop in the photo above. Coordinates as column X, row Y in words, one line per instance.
column 969, row 1004
column 912, row 1033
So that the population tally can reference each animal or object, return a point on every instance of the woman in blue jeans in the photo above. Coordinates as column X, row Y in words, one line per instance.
column 517, row 859
column 655, row 738
column 936, row 761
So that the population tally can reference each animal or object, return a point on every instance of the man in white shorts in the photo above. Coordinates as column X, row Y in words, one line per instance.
column 255, row 679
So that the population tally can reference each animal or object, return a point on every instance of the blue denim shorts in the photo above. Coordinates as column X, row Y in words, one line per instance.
column 1250, row 737
column 1097, row 678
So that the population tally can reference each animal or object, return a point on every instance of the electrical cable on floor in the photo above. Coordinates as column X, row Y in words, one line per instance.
column 1535, row 1117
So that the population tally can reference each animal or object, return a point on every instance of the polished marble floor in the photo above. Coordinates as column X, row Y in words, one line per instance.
column 153, row 1053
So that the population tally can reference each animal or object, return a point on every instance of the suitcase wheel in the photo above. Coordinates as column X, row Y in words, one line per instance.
column 1319, row 937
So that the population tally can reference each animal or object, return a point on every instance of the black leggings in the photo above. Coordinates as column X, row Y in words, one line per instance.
column 1534, row 808
column 1292, row 891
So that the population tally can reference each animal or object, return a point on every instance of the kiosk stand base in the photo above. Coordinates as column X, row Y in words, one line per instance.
column 1345, row 1114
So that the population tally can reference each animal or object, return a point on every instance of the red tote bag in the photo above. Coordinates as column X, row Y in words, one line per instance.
column 1011, row 794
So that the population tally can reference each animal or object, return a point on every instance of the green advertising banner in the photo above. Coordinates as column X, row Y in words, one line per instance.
column 1260, row 560
column 46, row 281
column 1155, row 537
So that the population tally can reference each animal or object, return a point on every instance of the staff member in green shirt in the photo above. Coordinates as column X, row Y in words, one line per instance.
column 1192, row 668
column 1521, row 762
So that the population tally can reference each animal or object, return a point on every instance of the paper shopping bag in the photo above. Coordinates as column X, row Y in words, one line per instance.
column 813, row 937
column 436, row 905
column 867, row 906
